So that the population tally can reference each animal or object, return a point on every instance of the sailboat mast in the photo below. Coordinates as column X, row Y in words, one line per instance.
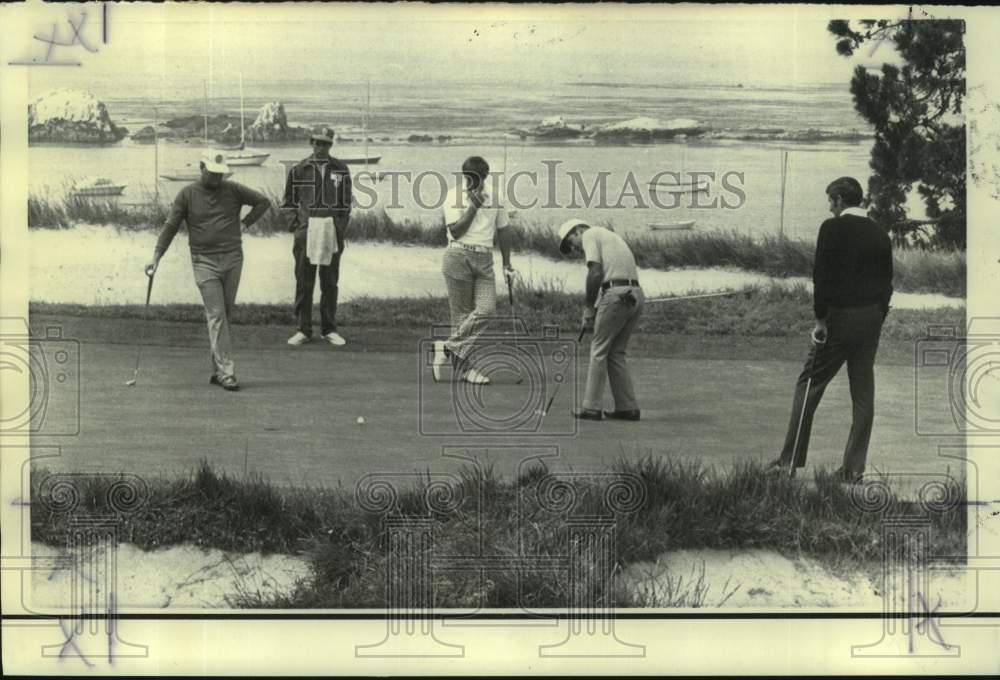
column 156, row 157
column 242, row 123
column 205, row 84
column 364, row 119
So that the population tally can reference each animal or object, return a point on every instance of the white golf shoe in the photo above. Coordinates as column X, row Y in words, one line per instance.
column 335, row 338
column 475, row 377
column 299, row 338
column 439, row 359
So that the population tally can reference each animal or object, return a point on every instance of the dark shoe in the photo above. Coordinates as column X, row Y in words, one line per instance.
column 229, row 383
column 587, row 414
column 214, row 380
column 779, row 467
column 631, row 414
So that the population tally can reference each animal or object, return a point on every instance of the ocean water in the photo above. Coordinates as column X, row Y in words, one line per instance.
column 545, row 184
column 553, row 180
column 486, row 109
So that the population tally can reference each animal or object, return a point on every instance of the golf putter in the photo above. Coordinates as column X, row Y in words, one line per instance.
column 805, row 400
column 555, row 392
column 513, row 322
column 142, row 334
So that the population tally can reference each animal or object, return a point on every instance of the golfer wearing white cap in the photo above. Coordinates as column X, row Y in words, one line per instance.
column 613, row 305
column 211, row 208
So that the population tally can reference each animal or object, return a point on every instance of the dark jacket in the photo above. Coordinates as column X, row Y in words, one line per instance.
column 315, row 188
column 853, row 265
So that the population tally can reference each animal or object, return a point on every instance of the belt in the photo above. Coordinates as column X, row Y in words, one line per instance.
column 466, row 246
column 619, row 282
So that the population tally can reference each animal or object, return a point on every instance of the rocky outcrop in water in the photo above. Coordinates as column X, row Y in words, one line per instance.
column 146, row 134
column 554, row 127
column 648, row 130
column 271, row 125
column 71, row 117
column 220, row 127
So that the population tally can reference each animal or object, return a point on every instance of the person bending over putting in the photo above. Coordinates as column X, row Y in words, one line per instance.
column 211, row 208
column 472, row 218
column 852, row 287
column 613, row 306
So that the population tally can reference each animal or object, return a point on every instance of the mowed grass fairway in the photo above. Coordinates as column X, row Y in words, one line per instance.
column 294, row 422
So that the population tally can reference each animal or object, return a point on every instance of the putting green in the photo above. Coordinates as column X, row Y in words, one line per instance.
column 296, row 419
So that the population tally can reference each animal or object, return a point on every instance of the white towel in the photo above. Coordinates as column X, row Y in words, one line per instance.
column 321, row 240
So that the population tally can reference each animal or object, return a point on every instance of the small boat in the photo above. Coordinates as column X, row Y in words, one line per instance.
column 350, row 160
column 98, row 187
column 680, row 187
column 361, row 160
column 240, row 156
column 672, row 226
column 246, row 158
column 190, row 174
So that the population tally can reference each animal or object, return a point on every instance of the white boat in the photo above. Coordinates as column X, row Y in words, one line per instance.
column 360, row 160
column 241, row 156
column 245, row 158
column 672, row 226
column 99, row 186
column 349, row 160
column 679, row 187
column 190, row 173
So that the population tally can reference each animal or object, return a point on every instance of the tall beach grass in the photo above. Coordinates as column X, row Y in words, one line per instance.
column 666, row 505
column 916, row 271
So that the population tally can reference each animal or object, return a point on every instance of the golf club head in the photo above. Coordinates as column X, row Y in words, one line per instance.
column 130, row 383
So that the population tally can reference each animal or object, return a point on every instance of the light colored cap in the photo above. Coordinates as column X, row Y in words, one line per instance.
column 215, row 161
column 563, row 232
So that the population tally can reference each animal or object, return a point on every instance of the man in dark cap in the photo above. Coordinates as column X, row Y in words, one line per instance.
column 317, row 205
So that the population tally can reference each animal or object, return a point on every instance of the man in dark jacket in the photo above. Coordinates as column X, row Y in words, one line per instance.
column 317, row 205
column 852, row 286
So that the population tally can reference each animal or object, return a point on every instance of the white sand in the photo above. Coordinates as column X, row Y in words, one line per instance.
column 179, row 577
column 765, row 579
column 92, row 265
column 189, row 577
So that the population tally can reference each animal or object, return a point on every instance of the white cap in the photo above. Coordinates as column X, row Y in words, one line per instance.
column 563, row 232
column 215, row 161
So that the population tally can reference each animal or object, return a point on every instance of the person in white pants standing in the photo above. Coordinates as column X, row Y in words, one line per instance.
column 472, row 218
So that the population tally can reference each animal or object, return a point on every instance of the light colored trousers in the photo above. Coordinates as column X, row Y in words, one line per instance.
column 613, row 327
column 472, row 296
column 218, row 278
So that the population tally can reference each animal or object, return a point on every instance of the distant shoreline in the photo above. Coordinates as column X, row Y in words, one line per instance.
column 457, row 140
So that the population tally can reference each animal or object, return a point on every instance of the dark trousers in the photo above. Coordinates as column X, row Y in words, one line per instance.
column 853, row 334
column 305, row 283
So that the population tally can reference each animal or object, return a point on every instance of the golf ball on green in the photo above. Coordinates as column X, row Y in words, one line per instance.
column 361, row 420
